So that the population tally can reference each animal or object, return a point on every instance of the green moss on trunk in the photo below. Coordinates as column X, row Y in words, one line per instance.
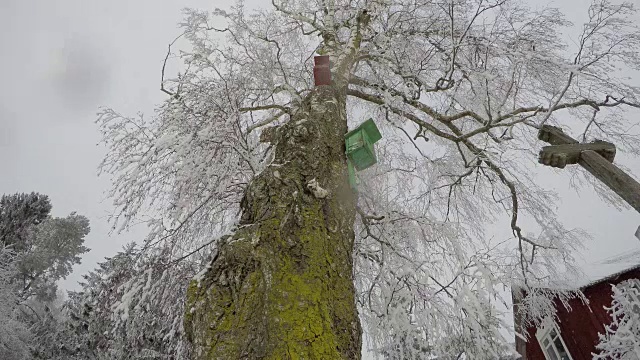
column 282, row 286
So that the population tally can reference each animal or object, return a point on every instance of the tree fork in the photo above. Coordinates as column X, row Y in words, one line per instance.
column 282, row 286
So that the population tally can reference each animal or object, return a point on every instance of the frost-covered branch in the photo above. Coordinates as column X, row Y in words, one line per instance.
column 621, row 339
column 472, row 80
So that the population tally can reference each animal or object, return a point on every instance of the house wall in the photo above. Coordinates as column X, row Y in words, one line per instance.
column 579, row 324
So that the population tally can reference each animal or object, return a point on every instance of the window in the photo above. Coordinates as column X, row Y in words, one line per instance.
column 551, row 342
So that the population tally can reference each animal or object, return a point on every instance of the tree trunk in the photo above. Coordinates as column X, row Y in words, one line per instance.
column 282, row 286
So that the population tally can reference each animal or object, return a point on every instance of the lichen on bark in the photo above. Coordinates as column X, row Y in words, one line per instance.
column 282, row 286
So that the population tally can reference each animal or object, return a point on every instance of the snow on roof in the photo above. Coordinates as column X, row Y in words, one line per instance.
column 609, row 268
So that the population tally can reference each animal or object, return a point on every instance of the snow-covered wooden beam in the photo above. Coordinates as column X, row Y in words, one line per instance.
column 595, row 157
column 561, row 155
column 555, row 136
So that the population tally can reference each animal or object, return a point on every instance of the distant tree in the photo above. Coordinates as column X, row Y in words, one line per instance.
column 37, row 251
column 117, row 315
column 621, row 339
column 18, row 213
column 15, row 337
column 51, row 250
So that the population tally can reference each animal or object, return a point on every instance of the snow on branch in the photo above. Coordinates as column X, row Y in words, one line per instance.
column 458, row 88
column 621, row 339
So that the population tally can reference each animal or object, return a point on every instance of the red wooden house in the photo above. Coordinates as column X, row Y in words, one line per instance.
column 574, row 335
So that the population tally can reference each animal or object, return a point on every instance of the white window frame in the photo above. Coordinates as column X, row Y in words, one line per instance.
column 545, row 333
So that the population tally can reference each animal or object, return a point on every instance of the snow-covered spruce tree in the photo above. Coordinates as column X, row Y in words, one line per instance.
column 245, row 161
column 117, row 315
column 88, row 328
column 621, row 339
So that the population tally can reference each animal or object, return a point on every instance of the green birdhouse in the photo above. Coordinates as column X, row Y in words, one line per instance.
column 359, row 142
column 360, row 150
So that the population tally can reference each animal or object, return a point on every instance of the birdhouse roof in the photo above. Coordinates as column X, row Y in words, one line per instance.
column 370, row 128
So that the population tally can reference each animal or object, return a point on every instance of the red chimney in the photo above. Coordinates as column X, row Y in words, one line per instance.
column 321, row 72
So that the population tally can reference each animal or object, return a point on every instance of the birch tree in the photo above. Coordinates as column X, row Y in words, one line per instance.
column 244, row 163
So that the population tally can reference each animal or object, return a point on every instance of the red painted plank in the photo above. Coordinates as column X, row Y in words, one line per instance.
column 321, row 70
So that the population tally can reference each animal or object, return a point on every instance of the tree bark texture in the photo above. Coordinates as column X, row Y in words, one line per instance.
column 282, row 286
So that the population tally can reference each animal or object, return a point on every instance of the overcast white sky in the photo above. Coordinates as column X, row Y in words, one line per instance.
column 62, row 59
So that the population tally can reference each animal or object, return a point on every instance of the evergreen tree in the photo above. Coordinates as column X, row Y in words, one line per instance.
column 15, row 337
column 117, row 315
column 18, row 213
column 36, row 251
